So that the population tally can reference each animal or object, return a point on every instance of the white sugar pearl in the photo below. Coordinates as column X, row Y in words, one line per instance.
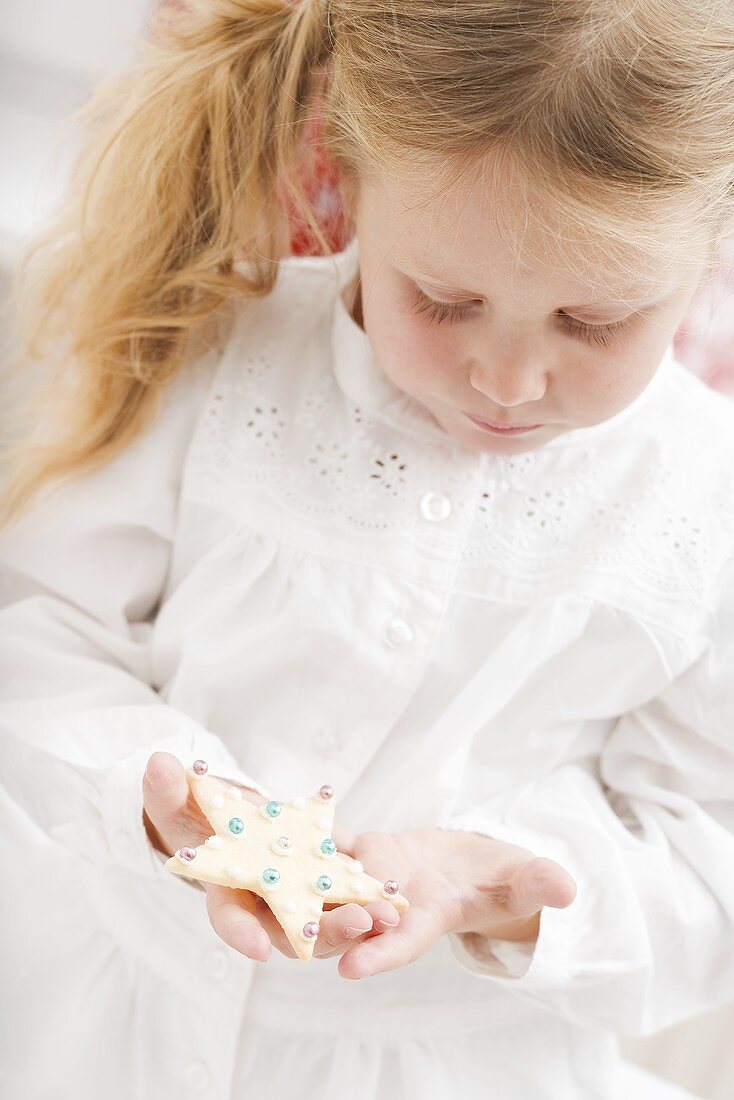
column 299, row 803
column 289, row 906
column 280, row 851
column 215, row 842
column 216, row 802
column 237, row 873
column 235, row 792
column 316, row 910
column 356, row 867
column 357, row 886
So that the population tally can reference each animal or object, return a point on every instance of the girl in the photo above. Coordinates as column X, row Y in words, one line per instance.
column 438, row 519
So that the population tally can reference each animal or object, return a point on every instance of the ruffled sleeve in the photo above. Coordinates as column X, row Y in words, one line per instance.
column 647, row 831
column 81, row 576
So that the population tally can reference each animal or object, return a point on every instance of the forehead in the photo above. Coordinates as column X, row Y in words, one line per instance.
column 478, row 233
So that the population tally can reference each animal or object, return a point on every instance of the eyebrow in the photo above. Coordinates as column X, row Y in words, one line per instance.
column 644, row 299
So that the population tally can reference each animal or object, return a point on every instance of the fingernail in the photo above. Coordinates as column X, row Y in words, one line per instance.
column 383, row 925
column 352, row 933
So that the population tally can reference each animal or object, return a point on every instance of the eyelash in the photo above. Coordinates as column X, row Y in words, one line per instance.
column 441, row 311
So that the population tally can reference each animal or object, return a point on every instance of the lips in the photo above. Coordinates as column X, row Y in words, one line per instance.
column 502, row 429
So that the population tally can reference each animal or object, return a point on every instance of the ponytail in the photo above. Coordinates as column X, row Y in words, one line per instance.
column 188, row 162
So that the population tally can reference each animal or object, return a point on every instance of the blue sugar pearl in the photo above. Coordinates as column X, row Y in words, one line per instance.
column 328, row 847
column 236, row 825
column 271, row 875
column 323, row 883
column 274, row 809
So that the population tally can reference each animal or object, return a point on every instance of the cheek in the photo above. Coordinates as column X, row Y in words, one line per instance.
column 603, row 384
column 408, row 350
column 405, row 347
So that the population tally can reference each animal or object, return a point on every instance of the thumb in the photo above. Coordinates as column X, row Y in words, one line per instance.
column 537, row 882
column 164, row 786
column 167, row 804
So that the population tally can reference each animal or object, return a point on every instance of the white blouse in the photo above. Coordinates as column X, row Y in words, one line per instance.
column 296, row 575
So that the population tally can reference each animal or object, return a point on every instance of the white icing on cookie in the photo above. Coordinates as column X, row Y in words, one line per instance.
column 323, row 823
column 279, row 849
column 235, row 792
column 236, row 872
column 215, row 842
column 216, row 801
column 356, row 886
column 299, row 803
column 356, row 867
column 289, row 906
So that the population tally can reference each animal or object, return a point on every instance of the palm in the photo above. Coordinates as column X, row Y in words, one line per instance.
column 455, row 881
column 431, row 883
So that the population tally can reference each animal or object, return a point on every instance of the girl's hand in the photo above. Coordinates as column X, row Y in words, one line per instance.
column 455, row 881
column 242, row 919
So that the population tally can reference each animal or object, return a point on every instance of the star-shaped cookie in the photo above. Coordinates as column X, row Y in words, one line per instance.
column 281, row 851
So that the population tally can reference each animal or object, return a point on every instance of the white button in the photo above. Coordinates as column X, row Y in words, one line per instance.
column 198, row 1076
column 327, row 742
column 397, row 632
column 435, row 506
column 218, row 964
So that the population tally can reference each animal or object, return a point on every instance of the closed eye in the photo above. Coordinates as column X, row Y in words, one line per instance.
column 438, row 311
column 442, row 311
column 596, row 334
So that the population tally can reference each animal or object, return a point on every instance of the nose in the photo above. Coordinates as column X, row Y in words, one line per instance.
column 510, row 380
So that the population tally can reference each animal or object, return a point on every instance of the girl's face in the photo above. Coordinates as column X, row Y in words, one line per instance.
column 470, row 329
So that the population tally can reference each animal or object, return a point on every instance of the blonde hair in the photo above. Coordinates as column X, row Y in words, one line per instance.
column 615, row 117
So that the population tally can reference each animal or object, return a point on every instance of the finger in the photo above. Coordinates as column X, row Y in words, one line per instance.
column 344, row 840
column 169, row 804
column 340, row 927
column 164, row 784
column 537, row 882
column 417, row 931
column 232, row 914
column 343, row 931
column 384, row 917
